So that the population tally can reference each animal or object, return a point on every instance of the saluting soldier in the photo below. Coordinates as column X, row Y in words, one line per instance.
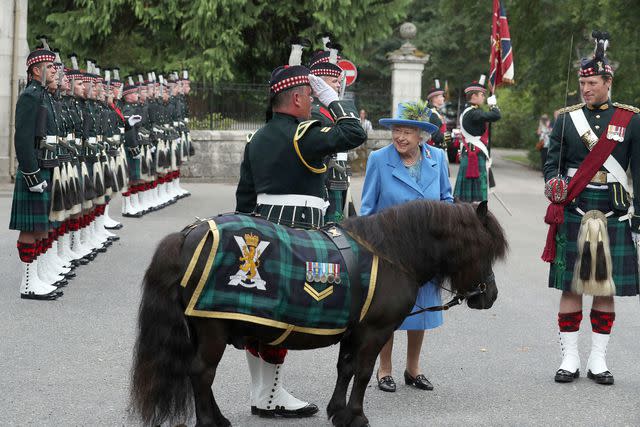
column 472, row 182
column 282, row 179
column 323, row 64
column 31, row 197
column 590, row 244
column 133, row 149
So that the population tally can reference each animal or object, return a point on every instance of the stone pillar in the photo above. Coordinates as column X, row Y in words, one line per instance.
column 13, row 55
column 407, row 64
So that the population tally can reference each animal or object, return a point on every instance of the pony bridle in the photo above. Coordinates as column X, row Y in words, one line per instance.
column 457, row 299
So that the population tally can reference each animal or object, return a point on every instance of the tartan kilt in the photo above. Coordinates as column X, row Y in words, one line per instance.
column 475, row 189
column 623, row 253
column 133, row 168
column 30, row 211
column 336, row 206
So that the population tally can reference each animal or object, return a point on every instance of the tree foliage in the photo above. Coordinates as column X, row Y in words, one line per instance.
column 216, row 39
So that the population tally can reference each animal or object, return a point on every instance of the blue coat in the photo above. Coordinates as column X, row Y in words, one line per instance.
column 388, row 183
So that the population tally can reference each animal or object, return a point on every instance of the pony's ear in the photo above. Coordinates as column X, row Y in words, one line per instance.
column 482, row 210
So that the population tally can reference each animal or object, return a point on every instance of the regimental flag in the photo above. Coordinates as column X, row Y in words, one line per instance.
column 501, row 59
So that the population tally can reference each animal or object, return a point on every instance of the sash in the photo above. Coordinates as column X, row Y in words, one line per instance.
column 472, row 156
column 591, row 164
column 610, row 164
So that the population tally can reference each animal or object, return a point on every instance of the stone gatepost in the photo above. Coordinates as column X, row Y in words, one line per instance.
column 407, row 64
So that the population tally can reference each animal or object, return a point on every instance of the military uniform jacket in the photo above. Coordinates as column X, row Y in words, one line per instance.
column 437, row 138
column 273, row 165
column 475, row 121
column 574, row 151
column 31, row 99
column 130, row 133
column 320, row 113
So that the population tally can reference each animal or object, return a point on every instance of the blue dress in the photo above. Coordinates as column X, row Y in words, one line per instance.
column 389, row 182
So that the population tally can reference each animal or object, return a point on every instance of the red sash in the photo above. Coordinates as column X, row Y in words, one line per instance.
column 326, row 113
column 591, row 164
column 115, row 108
column 473, row 167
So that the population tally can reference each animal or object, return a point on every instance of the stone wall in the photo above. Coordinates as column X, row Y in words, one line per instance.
column 219, row 153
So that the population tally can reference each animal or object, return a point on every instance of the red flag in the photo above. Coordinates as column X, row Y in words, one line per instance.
column 501, row 60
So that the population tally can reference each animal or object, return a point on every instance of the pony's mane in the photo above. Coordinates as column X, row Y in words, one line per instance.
column 415, row 235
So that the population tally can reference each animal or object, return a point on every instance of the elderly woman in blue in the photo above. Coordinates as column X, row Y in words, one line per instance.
column 409, row 169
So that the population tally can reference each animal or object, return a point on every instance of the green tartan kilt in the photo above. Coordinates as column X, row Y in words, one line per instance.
column 623, row 253
column 471, row 189
column 30, row 211
column 336, row 206
column 133, row 168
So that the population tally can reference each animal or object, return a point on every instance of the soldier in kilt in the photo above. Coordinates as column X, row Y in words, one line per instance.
column 472, row 181
column 282, row 179
column 31, row 196
column 593, row 251
column 133, row 150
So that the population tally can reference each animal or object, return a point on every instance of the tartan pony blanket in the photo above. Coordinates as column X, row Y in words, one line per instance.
column 273, row 275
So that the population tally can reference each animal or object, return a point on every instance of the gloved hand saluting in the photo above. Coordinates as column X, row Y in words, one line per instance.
column 321, row 90
column 492, row 101
column 134, row 120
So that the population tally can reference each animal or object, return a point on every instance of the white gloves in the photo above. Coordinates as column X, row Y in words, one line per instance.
column 321, row 90
column 492, row 101
column 134, row 119
column 635, row 237
column 39, row 188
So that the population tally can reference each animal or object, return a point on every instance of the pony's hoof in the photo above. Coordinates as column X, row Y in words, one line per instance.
column 333, row 409
column 359, row 421
column 342, row 418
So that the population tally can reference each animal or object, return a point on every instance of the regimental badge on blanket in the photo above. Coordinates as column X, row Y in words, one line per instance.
column 248, row 275
column 318, row 275
column 615, row 133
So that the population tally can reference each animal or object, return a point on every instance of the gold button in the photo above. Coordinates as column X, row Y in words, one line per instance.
column 597, row 127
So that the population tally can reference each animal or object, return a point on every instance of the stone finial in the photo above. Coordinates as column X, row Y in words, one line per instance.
column 408, row 52
column 408, row 31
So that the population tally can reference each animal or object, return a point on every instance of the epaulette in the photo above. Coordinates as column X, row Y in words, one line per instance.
column 571, row 108
column 627, row 107
column 303, row 127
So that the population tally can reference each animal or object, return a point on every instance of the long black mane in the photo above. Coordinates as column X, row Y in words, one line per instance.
column 423, row 236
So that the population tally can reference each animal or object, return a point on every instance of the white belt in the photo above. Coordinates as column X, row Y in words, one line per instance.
column 610, row 178
column 298, row 200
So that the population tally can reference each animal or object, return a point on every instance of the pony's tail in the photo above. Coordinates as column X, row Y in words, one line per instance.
column 160, row 387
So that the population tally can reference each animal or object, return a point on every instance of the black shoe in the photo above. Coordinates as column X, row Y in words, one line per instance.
column 564, row 376
column 69, row 275
column 386, row 383
column 420, row 381
column 51, row 296
column 115, row 227
column 605, row 378
column 113, row 238
column 303, row 412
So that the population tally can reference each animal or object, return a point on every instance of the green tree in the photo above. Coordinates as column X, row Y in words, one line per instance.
column 217, row 39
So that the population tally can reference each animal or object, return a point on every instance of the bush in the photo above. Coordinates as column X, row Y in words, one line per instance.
column 517, row 127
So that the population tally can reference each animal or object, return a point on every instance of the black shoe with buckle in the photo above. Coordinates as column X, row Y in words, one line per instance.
column 419, row 381
column 564, row 376
column 386, row 383
column 604, row 378
column 305, row 411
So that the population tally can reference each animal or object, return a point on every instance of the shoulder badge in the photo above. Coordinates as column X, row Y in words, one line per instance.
column 626, row 107
column 571, row 108
column 303, row 127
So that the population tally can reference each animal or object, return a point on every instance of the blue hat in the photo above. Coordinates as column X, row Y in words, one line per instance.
column 415, row 114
